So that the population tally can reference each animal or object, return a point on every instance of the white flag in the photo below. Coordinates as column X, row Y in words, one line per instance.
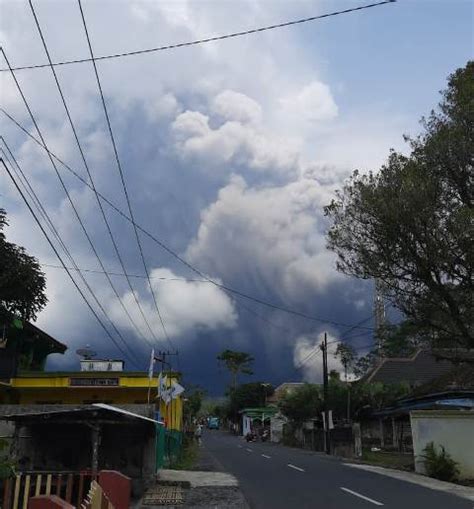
column 162, row 385
column 152, row 362
column 175, row 390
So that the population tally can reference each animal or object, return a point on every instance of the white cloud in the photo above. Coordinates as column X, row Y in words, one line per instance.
column 307, row 356
column 313, row 103
column 234, row 142
column 232, row 105
column 230, row 110
column 274, row 234
column 185, row 306
column 164, row 106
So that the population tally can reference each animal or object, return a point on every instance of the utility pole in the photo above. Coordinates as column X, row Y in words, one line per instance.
column 161, row 357
column 324, row 348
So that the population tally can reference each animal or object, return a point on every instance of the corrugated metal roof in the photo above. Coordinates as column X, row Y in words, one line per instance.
column 19, row 412
column 419, row 369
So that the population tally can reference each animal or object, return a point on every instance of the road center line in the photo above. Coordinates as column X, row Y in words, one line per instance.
column 361, row 496
column 295, row 467
column 265, row 456
column 249, row 450
column 239, row 446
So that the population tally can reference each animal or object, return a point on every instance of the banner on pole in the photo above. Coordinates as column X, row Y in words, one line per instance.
column 152, row 362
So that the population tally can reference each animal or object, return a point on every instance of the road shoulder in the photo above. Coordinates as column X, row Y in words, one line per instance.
column 421, row 480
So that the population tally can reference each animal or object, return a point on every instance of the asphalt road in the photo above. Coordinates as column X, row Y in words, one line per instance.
column 273, row 477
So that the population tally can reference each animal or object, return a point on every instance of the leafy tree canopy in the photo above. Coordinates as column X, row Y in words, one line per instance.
column 236, row 362
column 306, row 402
column 411, row 225
column 248, row 395
column 22, row 283
column 302, row 404
column 346, row 354
column 193, row 402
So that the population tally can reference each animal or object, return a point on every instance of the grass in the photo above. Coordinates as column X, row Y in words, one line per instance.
column 188, row 455
column 388, row 459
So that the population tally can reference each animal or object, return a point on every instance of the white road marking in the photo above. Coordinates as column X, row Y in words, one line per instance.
column 361, row 496
column 265, row 456
column 249, row 450
column 239, row 446
column 295, row 467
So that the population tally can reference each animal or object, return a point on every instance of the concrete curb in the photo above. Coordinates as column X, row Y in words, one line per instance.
column 196, row 479
column 426, row 482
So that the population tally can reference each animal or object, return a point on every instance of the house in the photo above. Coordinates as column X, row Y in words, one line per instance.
column 23, row 346
column 416, row 370
column 452, row 391
column 255, row 419
column 428, row 373
column 83, row 438
column 97, row 417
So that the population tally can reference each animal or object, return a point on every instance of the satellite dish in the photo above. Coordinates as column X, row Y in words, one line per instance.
column 87, row 353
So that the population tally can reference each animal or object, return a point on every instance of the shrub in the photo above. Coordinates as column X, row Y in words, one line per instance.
column 6, row 467
column 439, row 464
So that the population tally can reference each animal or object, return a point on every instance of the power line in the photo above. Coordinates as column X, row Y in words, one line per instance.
column 179, row 279
column 35, row 199
column 121, row 274
column 122, row 177
column 190, row 280
column 206, row 40
column 227, row 289
column 317, row 349
column 62, row 262
column 81, row 151
column 365, row 320
column 344, row 336
column 40, row 134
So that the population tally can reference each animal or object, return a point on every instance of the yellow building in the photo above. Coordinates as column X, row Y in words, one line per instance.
column 23, row 380
column 88, row 387
column 97, row 417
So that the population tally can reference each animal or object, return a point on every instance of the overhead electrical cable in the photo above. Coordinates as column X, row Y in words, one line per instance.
column 40, row 134
column 122, row 177
column 121, row 274
column 179, row 279
column 208, row 39
column 346, row 334
column 50, row 242
column 176, row 255
column 99, row 203
column 21, row 176
column 316, row 349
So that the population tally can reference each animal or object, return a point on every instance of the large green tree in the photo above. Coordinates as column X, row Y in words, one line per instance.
column 411, row 224
column 22, row 283
column 236, row 363
column 303, row 403
column 253, row 394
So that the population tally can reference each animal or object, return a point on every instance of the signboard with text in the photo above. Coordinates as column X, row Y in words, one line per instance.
column 93, row 382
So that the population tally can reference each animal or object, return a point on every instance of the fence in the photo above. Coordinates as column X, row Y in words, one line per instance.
column 341, row 439
column 168, row 446
column 70, row 486
column 96, row 498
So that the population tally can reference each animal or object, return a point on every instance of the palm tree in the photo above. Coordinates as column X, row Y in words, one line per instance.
column 236, row 362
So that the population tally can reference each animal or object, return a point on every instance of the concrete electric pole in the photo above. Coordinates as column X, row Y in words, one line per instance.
column 327, row 436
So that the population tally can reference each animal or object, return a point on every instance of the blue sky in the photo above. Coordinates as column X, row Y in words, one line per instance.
column 230, row 151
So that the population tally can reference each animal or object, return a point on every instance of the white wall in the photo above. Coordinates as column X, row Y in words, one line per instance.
column 453, row 429
column 246, row 425
column 101, row 365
